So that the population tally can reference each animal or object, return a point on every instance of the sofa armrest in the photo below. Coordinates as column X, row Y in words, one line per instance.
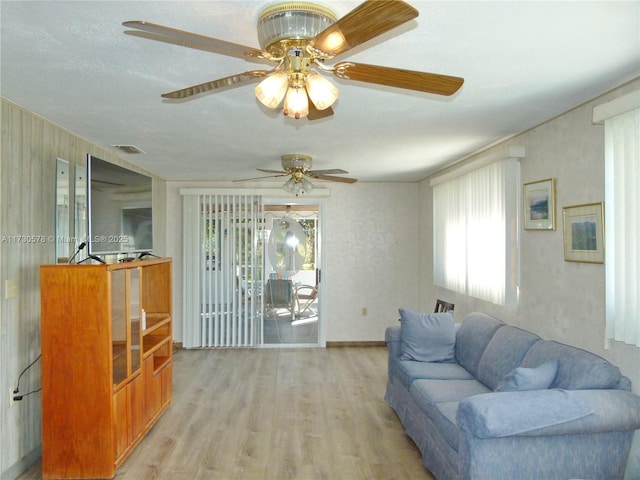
column 392, row 339
column 548, row 412
column 392, row 334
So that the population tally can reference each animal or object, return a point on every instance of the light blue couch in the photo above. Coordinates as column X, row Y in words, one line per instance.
column 580, row 426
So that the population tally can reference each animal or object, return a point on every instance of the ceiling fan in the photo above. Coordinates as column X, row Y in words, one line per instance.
column 298, row 166
column 299, row 37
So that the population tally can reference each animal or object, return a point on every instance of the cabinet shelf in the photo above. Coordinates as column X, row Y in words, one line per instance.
column 159, row 362
column 151, row 343
column 156, row 321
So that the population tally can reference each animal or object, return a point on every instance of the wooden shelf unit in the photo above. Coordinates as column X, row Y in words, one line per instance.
column 105, row 379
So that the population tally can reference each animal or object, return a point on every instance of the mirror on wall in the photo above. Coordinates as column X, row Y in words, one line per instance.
column 63, row 194
column 80, row 205
column 71, row 210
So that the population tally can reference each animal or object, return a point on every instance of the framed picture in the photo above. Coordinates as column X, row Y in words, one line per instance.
column 540, row 205
column 584, row 233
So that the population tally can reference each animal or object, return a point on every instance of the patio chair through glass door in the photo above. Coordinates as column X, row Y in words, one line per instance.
column 279, row 294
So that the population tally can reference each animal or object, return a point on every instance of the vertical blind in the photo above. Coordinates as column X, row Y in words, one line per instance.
column 475, row 243
column 222, row 270
column 622, row 213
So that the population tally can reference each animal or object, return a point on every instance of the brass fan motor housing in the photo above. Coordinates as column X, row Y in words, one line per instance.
column 297, row 60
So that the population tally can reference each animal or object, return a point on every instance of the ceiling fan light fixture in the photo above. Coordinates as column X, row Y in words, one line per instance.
column 321, row 91
column 297, row 187
column 296, row 103
column 271, row 90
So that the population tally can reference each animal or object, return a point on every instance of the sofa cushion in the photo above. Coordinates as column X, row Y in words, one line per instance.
column 438, row 399
column 428, row 391
column 443, row 415
column 472, row 339
column 409, row 370
column 427, row 337
column 577, row 368
column 503, row 354
column 512, row 413
column 521, row 378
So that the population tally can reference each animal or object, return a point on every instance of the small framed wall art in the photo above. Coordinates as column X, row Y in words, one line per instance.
column 540, row 205
column 584, row 233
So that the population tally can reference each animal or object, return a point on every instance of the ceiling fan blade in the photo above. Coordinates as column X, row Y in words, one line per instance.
column 315, row 114
column 367, row 21
column 192, row 40
column 397, row 77
column 221, row 83
column 331, row 178
column 260, row 178
column 332, row 171
column 281, row 172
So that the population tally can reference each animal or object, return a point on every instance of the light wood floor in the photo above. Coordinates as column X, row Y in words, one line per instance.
column 276, row 414
column 278, row 329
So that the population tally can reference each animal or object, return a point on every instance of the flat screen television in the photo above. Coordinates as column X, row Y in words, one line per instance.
column 120, row 209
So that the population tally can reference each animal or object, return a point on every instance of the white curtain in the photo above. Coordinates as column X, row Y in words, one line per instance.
column 450, row 235
column 622, row 214
column 222, row 242
column 474, row 238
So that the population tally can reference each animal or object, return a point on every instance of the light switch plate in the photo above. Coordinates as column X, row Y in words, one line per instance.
column 11, row 288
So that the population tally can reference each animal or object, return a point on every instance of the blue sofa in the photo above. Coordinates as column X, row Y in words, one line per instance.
column 485, row 400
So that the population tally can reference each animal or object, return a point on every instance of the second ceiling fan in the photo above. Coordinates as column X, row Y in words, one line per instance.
column 299, row 37
column 297, row 166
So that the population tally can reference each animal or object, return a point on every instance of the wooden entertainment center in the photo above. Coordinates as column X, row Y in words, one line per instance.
column 106, row 362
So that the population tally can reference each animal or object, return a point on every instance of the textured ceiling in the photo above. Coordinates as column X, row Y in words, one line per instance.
column 523, row 63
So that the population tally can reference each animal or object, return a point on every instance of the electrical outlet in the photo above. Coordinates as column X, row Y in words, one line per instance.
column 365, row 312
column 11, row 394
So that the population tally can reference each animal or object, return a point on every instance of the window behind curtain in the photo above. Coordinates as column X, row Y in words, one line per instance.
column 475, row 233
column 622, row 214
column 222, row 259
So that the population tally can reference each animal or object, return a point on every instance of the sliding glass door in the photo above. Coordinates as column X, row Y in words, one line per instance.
column 251, row 272
column 291, row 314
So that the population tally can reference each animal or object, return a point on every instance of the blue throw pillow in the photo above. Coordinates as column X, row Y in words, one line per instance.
column 538, row 378
column 427, row 337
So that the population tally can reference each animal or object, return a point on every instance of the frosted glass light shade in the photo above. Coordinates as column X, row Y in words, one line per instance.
column 290, row 186
column 298, row 188
column 271, row 90
column 332, row 42
column 321, row 91
column 296, row 103
column 307, row 186
column 288, row 20
column 296, row 161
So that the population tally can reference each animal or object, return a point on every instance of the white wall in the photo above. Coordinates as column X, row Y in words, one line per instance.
column 559, row 300
column 370, row 247
column 370, row 235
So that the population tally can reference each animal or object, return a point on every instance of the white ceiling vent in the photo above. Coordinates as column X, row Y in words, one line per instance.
column 132, row 149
